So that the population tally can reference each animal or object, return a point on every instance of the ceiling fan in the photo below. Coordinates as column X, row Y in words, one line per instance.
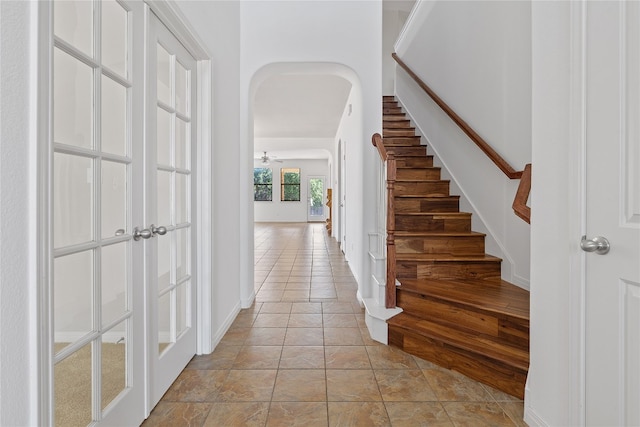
column 266, row 159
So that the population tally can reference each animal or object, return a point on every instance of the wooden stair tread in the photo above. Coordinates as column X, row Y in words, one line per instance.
column 474, row 343
column 435, row 196
column 502, row 298
column 446, row 258
column 438, row 214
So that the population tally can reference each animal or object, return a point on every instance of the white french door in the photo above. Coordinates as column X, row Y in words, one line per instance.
column 612, row 291
column 123, row 288
column 98, row 268
column 171, row 105
column 317, row 198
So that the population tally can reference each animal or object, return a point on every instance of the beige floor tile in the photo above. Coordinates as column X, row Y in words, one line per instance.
column 300, row 385
column 235, row 336
column 297, row 286
column 356, row 414
column 340, row 321
column 337, row 308
column 385, row 357
column 342, row 336
column 170, row 414
column 276, row 308
column 297, row 414
column 306, row 308
column 500, row 396
column 352, row 386
column 474, row 414
column 515, row 411
column 295, row 295
column 266, row 336
column 304, row 336
column 267, row 320
column 196, row 386
column 346, row 357
column 417, row 414
column 301, row 320
column 302, row 357
column 455, row 387
column 258, row 357
column 246, row 414
column 399, row 385
column 248, row 386
column 222, row 358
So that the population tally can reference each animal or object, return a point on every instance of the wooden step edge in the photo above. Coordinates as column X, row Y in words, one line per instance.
column 473, row 343
column 471, row 258
column 438, row 214
column 439, row 234
column 422, row 196
column 487, row 305
column 418, row 180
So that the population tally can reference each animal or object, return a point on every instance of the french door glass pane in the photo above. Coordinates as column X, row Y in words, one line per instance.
column 164, row 197
column 163, row 137
column 72, row 101
column 182, row 307
column 164, row 261
column 114, row 364
column 182, row 89
column 73, row 23
column 114, row 281
column 164, row 317
column 73, row 296
column 114, row 198
column 114, row 37
column 182, row 197
column 164, row 76
column 72, row 389
column 72, row 200
column 114, row 117
column 182, row 252
column 182, row 147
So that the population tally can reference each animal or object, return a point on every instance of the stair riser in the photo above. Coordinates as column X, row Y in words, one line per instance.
column 407, row 151
column 454, row 245
column 386, row 133
column 389, row 103
column 483, row 369
column 417, row 174
column 393, row 118
column 512, row 330
column 424, row 188
column 431, row 223
column 415, row 162
column 438, row 204
column 402, row 141
column 392, row 110
column 396, row 124
column 448, row 270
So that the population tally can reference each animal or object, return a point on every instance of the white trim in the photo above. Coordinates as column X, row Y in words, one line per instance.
column 533, row 419
column 420, row 11
column 577, row 210
column 42, row 397
column 225, row 326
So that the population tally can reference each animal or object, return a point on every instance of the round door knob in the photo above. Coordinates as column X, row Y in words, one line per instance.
column 141, row 234
column 599, row 245
column 162, row 230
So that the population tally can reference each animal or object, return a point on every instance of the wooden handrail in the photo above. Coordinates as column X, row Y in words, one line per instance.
column 522, row 196
column 502, row 164
column 390, row 280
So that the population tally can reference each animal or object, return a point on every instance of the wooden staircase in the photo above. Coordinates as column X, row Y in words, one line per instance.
column 457, row 311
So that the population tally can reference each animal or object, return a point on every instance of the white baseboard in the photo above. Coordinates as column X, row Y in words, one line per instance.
column 217, row 336
column 532, row 419
column 376, row 319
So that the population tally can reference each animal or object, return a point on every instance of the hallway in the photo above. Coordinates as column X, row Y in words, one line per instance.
column 302, row 356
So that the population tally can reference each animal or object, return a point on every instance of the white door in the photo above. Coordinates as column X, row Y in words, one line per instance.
column 612, row 357
column 169, row 200
column 98, row 268
column 317, row 198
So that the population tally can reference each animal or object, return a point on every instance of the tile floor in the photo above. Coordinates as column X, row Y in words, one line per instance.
column 302, row 356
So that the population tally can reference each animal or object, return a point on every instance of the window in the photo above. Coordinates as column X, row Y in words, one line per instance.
column 290, row 184
column 262, row 184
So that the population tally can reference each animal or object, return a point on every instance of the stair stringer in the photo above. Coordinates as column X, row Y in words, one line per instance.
column 479, row 223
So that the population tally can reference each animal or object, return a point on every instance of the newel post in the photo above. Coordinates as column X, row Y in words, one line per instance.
column 390, row 290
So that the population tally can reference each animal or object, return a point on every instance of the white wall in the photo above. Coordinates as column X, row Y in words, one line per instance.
column 277, row 211
column 218, row 25
column 477, row 57
column 18, row 232
column 392, row 23
column 343, row 33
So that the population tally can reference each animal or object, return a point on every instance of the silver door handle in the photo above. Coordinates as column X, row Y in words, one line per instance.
column 119, row 231
column 162, row 230
column 141, row 234
column 599, row 245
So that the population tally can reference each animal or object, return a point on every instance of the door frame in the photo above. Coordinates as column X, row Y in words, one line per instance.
column 171, row 16
column 324, row 196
